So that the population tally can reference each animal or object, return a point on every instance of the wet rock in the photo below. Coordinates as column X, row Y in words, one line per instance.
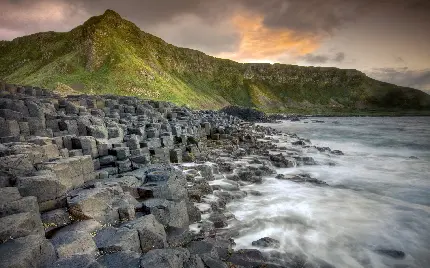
column 70, row 243
column 121, row 259
column 128, row 183
column 78, row 260
column 17, row 165
column 255, row 193
column 203, row 249
column 151, row 232
column 170, row 213
column 55, row 219
column 206, row 171
column 165, row 258
column 107, row 160
column 100, row 204
column 248, row 176
column 179, row 237
column 20, row 225
column 45, row 186
column 266, row 242
column 9, row 128
column 395, row 254
column 194, row 262
column 199, row 189
column 72, row 172
column 280, row 161
column 247, row 258
column 213, row 263
column 301, row 178
column 86, row 226
column 112, row 239
column 98, row 132
column 9, row 194
column 123, row 166
column 337, row 152
column 219, row 220
column 299, row 142
column 88, row 145
column 194, row 213
column 228, row 196
column 166, row 184
column 176, row 156
column 305, row 160
column 28, row 251
column 121, row 153
column 26, row 204
column 323, row 149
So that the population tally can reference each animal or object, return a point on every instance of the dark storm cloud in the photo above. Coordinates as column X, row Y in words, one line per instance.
column 419, row 79
column 325, row 16
column 321, row 59
column 22, row 17
column 314, row 16
column 311, row 58
column 309, row 16
column 209, row 25
column 339, row 57
column 399, row 60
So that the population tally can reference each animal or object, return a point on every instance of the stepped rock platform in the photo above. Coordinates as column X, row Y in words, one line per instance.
column 113, row 181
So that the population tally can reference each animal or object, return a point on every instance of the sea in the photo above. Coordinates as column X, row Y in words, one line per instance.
column 375, row 211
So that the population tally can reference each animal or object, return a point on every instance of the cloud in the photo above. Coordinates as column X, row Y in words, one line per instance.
column 311, row 58
column 322, row 58
column 311, row 16
column 419, row 79
column 193, row 32
column 243, row 30
column 399, row 60
column 26, row 17
column 260, row 42
column 339, row 57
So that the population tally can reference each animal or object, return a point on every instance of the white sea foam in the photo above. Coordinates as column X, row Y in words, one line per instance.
column 378, row 197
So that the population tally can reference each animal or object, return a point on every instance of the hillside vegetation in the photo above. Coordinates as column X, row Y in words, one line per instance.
column 108, row 54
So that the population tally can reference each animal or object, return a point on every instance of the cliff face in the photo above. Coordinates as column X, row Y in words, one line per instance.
column 108, row 54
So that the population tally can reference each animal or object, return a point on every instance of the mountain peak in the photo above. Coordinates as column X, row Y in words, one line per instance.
column 109, row 54
column 109, row 13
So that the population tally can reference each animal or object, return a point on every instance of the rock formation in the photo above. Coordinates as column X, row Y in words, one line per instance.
column 111, row 181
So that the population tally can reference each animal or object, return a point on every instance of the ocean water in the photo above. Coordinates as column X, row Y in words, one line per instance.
column 377, row 202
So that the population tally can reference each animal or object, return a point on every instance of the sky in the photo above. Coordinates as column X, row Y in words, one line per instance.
column 387, row 39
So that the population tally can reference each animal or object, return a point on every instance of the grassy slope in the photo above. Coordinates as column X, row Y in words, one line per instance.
column 110, row 55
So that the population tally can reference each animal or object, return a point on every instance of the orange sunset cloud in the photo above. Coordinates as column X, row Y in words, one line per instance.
column 262, row 44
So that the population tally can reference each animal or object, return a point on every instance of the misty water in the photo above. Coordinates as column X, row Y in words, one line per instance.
column 377, row 202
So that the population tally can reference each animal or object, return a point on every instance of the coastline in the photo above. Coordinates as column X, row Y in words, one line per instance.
column 112, row 181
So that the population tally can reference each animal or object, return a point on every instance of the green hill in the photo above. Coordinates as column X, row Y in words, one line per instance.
column 108, row 54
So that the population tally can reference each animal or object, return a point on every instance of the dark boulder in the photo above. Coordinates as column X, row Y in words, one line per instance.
column 247, row 114
column 266, row 242
column 395, row 254
column 301, row 178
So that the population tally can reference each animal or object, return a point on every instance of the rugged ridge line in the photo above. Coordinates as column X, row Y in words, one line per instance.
column 108, row 54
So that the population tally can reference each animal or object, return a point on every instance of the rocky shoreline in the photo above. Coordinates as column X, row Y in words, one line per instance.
column 111, row 181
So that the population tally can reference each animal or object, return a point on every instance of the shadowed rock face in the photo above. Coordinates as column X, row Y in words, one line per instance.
column 247, row 114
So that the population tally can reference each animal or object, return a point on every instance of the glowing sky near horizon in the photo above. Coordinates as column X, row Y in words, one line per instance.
column 388, row 40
